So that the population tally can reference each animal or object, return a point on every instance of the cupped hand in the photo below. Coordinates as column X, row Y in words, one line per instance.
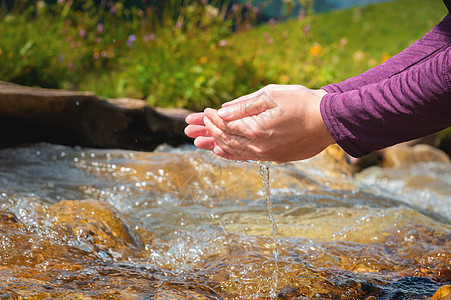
column 277, row 123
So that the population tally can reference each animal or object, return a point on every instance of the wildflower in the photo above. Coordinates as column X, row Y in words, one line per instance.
column 100, row 28
column 248, row 26
column 104, row 54
column 222, row 43
column 95, row 55
column 203, row 60
column 306, row 29
column 98, row 40
column 284, row 78
column 235, row 7
column 113, row 9
column 69, row 39
column 130, row 40
column 140, row 12
column 343, row 43
column 110, row 52
column 302, row 15
column 178, row 24
column 82, row 33
column 272, row 22
column 358, row 55
column 372, row 62
column 60, row 58
column 270, row 41
column 71, row 65
column 149, row 37
column 385, row 56
column 266, row 35
column 61, row 1
column 316, row 50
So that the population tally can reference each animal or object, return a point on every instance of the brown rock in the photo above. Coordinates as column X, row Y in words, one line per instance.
column 97, row 221
column 402, row 154
column 443, row 293
column 82, row 118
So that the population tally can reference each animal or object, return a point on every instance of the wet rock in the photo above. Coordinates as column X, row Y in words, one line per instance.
column 30, row 115
column 443, row 293
column 192, row 291
column 403, row 154
column 96, row 222
column 330, row 167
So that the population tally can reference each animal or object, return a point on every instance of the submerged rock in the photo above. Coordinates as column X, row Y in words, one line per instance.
column 29, row 115
column 402, row 154
column 97, row 222
column 443, row 293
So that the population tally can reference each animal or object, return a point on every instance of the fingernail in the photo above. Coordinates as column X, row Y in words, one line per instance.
column 218, row 150
column 225, row 112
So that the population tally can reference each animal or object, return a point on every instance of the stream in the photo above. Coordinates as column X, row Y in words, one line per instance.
column 180, row 223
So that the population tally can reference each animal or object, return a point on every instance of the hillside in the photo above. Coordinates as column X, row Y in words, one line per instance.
column 340, row 43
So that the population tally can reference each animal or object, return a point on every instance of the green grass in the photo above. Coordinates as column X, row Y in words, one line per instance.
column 352, row 41
column 175, row 62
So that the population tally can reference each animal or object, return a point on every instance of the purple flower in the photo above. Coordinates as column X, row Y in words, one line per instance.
column 149, row 37
column 100, row 28
column 222, row 43
column 130, row 40
column 178, row 24
column 82, row 33
column 306, row 29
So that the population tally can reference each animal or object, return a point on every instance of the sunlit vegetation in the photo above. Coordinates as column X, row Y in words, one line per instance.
column 200, row 54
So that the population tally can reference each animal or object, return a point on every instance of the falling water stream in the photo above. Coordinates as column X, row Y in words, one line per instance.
column 80, row 223
column 264, row 174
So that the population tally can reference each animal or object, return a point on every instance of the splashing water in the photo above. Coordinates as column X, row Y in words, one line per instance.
column 264, row 174
column 181, row 224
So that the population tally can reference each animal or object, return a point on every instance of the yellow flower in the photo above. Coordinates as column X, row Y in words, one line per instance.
column 203, row 60
column 316, row 50
column 284, row 78
column 385, row 56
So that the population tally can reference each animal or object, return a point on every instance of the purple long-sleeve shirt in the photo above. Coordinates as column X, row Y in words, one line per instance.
column 406, row 97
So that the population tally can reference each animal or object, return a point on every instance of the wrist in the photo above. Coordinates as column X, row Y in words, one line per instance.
column 323, row 134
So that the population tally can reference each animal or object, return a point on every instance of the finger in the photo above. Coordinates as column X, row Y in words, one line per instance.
column 231, row 146
column 206, row 143
column 195, row 131
column 213, row 117
column 242, row 98
column 195, row 119
column 246, row 108
column 242, row 155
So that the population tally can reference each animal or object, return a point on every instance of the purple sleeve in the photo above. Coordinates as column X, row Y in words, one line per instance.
column 427, row 46
column 410, row 104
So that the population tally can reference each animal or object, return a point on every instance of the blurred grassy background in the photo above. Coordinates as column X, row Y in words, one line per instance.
column 201, row 53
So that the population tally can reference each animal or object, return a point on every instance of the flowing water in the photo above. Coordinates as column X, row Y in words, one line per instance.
column 181, row 224
column 264, row 174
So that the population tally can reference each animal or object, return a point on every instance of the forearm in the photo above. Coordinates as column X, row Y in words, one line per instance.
column 411, row 104
column 427, row 46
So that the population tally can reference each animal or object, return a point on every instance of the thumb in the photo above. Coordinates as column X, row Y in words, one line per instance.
column 246, row 108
